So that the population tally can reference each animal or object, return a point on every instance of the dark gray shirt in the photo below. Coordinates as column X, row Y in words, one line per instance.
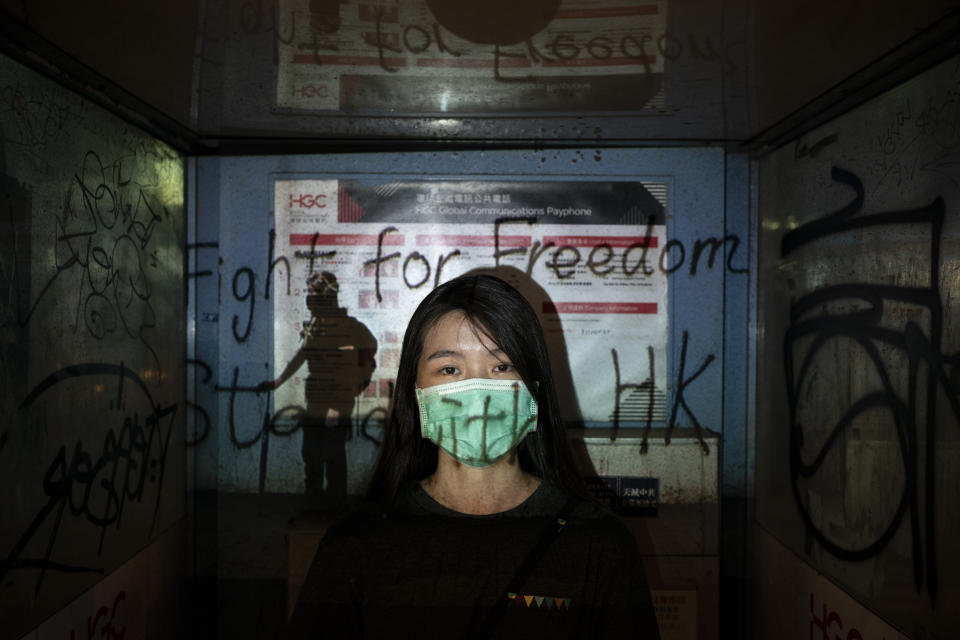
column 418, row 569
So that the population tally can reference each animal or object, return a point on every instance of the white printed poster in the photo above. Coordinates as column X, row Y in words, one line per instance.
column 362, row 255
column 431, row 56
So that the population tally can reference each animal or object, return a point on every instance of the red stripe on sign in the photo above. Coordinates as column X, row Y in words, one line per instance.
column 348, row 210
column 358, row 239
column 472, row 64
column 600, row 307
column 354, row 61
column 607, row 12
column 619, row 61
column 435, row 240
column 594, row 241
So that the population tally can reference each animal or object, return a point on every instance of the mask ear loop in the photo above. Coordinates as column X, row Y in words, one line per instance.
column 536, row 405
column 420, row 414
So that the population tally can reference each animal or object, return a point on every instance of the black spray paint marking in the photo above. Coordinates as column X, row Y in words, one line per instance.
column 678, row 399
column 600, row 259
column 562, row 48
column 380, row 259
column 461, row 421
column 196, row 246
column 129, row 459
column 272, row 263
column 270, row 423
column 681, row 386
column 105, row 242
column 864, row 327
column 620, row 387
column 248, row 293
column 563, row 260
column 198, row 409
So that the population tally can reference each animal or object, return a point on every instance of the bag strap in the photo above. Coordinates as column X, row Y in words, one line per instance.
column 554, row 528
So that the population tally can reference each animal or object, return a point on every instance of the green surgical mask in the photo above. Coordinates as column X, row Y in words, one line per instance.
column 477, row 421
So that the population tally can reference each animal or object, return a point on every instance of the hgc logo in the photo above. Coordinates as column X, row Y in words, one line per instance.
column 308, row 201
column 311, row 91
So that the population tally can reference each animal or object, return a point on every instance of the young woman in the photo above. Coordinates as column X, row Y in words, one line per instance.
column 476, row 524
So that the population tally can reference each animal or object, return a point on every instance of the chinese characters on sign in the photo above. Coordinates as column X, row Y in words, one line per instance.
column 586, row 255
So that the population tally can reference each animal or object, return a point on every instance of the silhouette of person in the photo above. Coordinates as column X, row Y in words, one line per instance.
column 339, row 352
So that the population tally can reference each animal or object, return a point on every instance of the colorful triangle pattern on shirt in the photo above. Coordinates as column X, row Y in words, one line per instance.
column 538, row 602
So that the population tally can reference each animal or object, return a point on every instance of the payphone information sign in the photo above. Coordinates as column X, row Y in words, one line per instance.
column 386, row 58
column 626, row 495
column 585, row 254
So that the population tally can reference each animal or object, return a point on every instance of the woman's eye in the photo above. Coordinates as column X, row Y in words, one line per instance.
column 503, row 367
column 448, row 371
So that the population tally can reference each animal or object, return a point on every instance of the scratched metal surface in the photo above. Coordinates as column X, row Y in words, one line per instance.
column 859, row 370
column 91, row 344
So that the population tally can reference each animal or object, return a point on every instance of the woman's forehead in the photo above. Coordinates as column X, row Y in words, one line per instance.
column 455, row 331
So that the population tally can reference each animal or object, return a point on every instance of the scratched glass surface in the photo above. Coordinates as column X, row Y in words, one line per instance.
column 91, row 340
column 858, row 402
column 443, row 68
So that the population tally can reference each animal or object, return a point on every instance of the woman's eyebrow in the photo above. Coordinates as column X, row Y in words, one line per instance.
column 443, row 353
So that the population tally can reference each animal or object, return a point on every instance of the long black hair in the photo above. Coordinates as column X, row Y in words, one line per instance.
column 502, row 313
